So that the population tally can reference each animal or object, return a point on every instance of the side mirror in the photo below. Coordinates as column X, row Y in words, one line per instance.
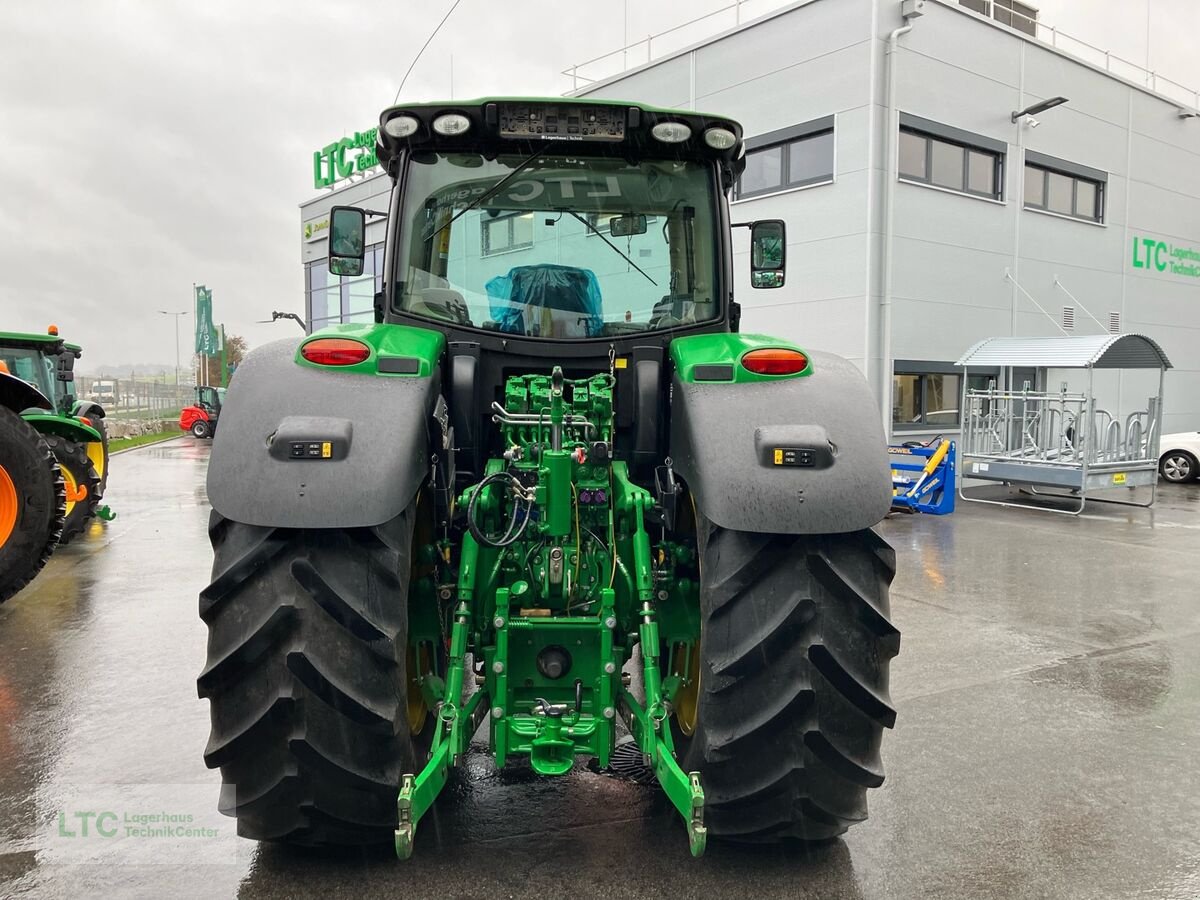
column 347, row 240
column 625, row 226
column 66, row 368
column 768, row 250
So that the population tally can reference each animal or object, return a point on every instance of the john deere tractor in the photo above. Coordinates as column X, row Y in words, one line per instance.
column 73, row 429
column 33, row 498
column 551, row 495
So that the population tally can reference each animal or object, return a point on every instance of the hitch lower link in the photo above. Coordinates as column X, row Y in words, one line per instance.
column 648, row 724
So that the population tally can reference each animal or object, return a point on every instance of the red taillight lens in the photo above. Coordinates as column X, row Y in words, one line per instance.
column 335, row 352
column 85, row 420
column 775, row 361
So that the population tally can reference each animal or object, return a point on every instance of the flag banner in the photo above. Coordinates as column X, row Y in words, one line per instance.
column 206, row 334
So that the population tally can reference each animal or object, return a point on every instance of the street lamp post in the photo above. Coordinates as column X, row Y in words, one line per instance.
column 176, row 315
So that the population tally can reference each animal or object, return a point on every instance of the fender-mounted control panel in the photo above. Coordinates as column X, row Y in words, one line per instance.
column 793, row 456
column 311, row 439
column 311, row 450
column 794, row 447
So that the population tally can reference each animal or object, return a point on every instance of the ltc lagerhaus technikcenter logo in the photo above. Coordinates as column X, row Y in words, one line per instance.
column 1162, row 256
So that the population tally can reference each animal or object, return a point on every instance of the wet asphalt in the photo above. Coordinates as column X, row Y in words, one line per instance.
column 1048, row 740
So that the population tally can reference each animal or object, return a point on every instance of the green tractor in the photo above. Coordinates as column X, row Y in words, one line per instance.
column 73, row 429
column 551, row 490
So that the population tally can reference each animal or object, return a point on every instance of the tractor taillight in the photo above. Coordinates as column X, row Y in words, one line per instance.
column 335, row 352
column 775, row 361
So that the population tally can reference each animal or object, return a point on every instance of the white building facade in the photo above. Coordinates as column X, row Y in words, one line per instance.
column 921, row 217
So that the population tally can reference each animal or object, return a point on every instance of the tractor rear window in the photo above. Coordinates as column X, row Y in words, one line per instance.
column 565, row 248
column 31, row 366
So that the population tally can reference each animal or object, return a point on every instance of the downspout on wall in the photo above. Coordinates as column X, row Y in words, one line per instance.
column 910, row 9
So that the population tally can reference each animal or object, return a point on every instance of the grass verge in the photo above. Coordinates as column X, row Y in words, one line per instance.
column 139, row 440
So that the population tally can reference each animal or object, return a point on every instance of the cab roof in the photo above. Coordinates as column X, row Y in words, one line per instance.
column 51, row 343
column 493, row 126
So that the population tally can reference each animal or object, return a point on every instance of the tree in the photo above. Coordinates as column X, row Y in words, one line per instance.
column 235, row 349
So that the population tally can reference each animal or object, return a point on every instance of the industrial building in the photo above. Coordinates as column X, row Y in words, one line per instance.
column 949, row 171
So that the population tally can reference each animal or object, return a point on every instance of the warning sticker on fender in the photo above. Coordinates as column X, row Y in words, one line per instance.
column 1118, row 478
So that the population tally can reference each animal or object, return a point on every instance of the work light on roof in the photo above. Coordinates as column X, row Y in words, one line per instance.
column 720, row 138
column 451, row 124
column 401, row 126
column 671, row 132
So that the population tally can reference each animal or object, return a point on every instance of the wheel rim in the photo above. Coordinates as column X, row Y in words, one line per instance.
column 415, row 659
column 1177, row 468
column 687, row 698
column 95, row 453
column 418, row 658
column 73, row 492
column 8, row 506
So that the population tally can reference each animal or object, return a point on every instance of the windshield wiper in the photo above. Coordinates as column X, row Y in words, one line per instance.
column 488, row 194
column 592, row 228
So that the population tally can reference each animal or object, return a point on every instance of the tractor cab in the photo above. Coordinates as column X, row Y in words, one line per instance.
column 33, row 358
column 209, row 399
column 201, row 417
column 532, row 232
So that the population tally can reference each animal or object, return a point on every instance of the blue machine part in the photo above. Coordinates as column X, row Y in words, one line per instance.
column 547, row 301
column 917, row 491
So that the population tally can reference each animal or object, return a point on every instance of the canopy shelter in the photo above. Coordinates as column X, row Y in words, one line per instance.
column 1065, row 443
column 1095, row 351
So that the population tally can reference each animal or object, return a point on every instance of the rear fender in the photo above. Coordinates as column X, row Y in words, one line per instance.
column 19, row 395
column 88, row 408
column 304, row 446
column 730, row 442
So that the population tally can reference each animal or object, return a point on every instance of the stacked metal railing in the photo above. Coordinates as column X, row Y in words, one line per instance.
column 1057, row 439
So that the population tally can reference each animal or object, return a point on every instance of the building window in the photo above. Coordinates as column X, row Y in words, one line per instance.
column 927, row 399
column 953, row 164
column 505, row 231
column 1065, row 193
column 1019, row 16
column 789, row 158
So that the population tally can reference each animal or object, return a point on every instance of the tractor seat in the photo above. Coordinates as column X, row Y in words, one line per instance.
column 547, row 301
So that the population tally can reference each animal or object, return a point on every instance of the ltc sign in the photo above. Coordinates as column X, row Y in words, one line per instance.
column 1151, row 253
column 341, row 159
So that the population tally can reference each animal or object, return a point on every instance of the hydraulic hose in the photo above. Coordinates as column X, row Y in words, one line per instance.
column 511, row 534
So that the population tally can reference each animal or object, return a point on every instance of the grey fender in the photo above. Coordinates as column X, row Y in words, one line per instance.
column 724, row 438
column 376, row 427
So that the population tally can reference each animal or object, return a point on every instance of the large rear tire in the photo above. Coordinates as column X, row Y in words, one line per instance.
column 32, row 503
column 793, row 699
column 306, row 675
column 82, row 485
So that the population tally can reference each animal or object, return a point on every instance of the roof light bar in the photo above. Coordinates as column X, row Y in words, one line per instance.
column 401, row 127
column 720, row 138
column 671, row 132
column 450, row 124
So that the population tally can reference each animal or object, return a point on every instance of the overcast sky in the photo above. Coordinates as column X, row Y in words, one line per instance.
column 146, row 145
